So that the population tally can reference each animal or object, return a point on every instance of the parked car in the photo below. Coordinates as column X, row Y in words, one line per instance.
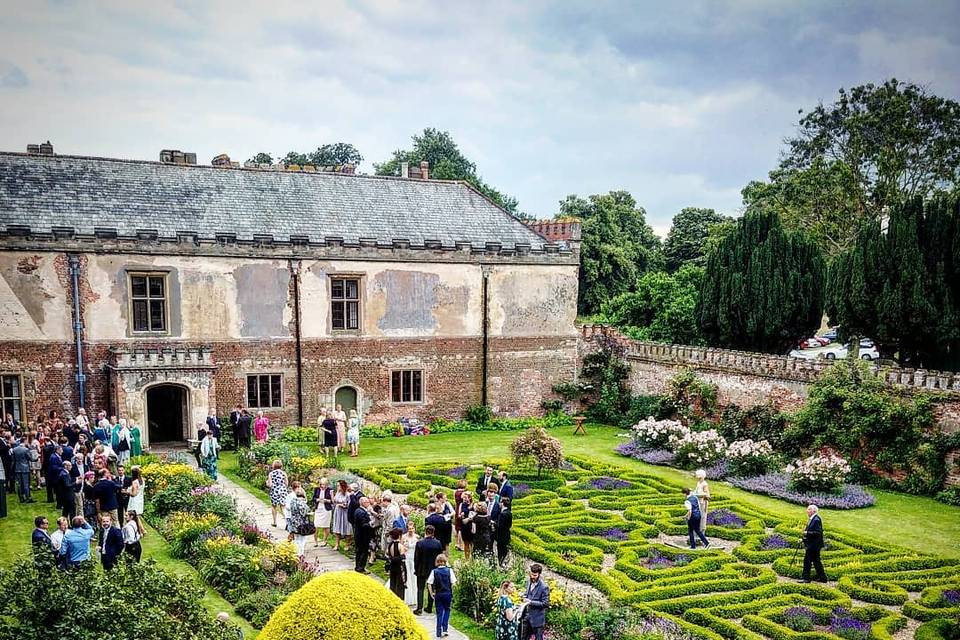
column 866, row 352
column 812, row 343
column 805, row 355
column 830, row 335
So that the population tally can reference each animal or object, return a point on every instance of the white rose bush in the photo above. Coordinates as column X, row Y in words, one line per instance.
column 823, row 472
column 699, row 448
column 750, row 457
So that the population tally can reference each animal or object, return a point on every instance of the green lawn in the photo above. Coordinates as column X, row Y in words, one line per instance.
column 913, row 522
column 16, row 528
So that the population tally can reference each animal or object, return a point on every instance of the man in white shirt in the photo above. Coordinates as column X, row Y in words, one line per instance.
column 56, row 538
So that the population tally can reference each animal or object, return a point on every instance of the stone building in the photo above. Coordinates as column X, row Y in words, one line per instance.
column 158, row 290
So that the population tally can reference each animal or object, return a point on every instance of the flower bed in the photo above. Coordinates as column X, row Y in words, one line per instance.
column 851, row 496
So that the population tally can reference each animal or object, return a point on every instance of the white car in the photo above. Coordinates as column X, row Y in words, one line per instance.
column 803, row 354
column 867, row 351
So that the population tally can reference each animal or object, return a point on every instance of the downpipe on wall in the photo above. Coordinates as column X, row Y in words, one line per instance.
column 484, row 366
column 295, row 276
column 74, row 262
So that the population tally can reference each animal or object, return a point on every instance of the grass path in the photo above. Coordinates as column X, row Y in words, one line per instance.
column 16, row 528
column 913, row 522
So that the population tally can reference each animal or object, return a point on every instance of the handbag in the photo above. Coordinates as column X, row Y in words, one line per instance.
column 307, row 529
column 123, row 445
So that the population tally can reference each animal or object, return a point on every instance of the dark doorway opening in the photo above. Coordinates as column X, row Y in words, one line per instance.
column 166, row 406
column 346, row 397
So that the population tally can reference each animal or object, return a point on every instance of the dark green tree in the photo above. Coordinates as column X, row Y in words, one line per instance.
column 446, row 163
column 850, row 161
column 661, row 309
column 328, row 155
column 687, row 239
column 617, row 246
column 262, row 158
column 763, row 287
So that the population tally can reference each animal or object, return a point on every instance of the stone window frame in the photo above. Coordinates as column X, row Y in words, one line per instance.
column 149, row 273
column 258, row 375
column 423, row 386
column 361, row 287
column 21, row 398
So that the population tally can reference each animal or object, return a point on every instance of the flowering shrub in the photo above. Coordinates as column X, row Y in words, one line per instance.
column 520, row 490
column 819, row 472
column 699, row 448
column 951, row 597
column 656, row 559
column 749, row 457
column 184, row 530
column 775, row 541
column 277, row 557
column 658, row 628
column 538, row 447
column 846, row 626
column 457, row 472
column 656, row 434
column 615, row 534
column 799, row 619
column 724, row 518
column 850, row 496
column 606, row 483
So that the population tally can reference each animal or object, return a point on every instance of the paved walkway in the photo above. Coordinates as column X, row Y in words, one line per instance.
column 325, row 557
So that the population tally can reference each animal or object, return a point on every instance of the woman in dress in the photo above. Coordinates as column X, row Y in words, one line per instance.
column 457, row 499
column 123, row 444
column 409, row 542
column 136, row 445
column 136, row 491
column 298, row 521
column 466, row 513
column 397, row 564
column 277, row 484
column 341, row 528
column 323, row 512
column 341, row 419
column 210, row 455
column 702, row 492
column 328, row 427
column 261, row 428
column 507, row 622
column 353, row 434
column 35, row 464
column 482, row 531
column 132, row 533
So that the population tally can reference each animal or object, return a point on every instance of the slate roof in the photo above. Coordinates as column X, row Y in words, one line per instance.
column 82, row 193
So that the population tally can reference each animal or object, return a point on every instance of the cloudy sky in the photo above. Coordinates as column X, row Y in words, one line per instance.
column 680, row 103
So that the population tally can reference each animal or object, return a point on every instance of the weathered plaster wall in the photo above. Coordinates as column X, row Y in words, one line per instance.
column 33, row 302
column 533, row 301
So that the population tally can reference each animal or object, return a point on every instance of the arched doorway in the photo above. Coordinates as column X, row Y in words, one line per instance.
column 346, row 397
column 166, row 413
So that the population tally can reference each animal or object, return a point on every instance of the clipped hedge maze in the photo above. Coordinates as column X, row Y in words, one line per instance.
column 601, row 525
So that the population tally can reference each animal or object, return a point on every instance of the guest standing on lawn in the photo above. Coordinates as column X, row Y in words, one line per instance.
column 362, row 534
column 537, row 598
column 210, row 455
column 702, row 491
column 396, row 563
column 323, row 513
column 693, row 520
column 341, row 419
column 353, row 433
column 298, row 521
column 261, row 427
column 440, row 583
column 424, row 560
column 445, row 510
column 277, row 484
column 482, row 540
column 136, row 443
column 466, row 514
column 457, row 500
column 813, row 544
column 409, row 541
column 328, row 433
column 244, row 425
column 507, row 621
column 342, row 529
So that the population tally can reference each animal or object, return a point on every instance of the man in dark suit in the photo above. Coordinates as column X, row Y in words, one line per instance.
column 424, row 559
column 435, row 519
column 502, row 531
column 537, row 597
column 355, row 497
column 64, row 491
column 484, row 480
column 21, row 468
column 6, row 450
column 362, row 534
column 812, row 544
column 213, row 426
column 506, row 489
column 123, row 498
column 242, row 429
column 52, row 464
column 40, row 538
column 110, row 543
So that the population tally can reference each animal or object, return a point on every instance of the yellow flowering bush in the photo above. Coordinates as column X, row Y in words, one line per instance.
column 158, row 476
column 343, row 605
column 558, row 596
column 277, row 557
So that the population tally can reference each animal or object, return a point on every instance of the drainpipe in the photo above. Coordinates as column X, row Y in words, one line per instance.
column 486, row 321
column 74, row 261
column 295, row 275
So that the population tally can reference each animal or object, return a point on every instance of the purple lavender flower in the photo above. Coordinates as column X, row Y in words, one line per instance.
column 775, row 541
column 661, row 628
column 951, row 597
column 628, row 449
column 521, row 489
column 216, row 532
column 458, row 472
column 851, row 496
column 614, row 533
column 725, row 518
column 650, row 456
column 658, row 560
column 846, row 626
column 606, row 483
column 799, row 619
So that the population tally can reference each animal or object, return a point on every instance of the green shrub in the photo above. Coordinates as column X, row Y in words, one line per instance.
column 257, row 607
column 478, row 581
column 230, row 569
column 299, row 434
column 478, row 414
column 950, row 496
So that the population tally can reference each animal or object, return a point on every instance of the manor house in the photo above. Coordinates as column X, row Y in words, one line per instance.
column 160, row 290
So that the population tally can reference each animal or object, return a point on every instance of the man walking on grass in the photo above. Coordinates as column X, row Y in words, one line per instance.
column 813, row 544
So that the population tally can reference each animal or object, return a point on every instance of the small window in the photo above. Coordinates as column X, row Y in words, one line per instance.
column 265, row 391
column 406, row 386
column 148, row 300
column 345, row 303
column 11, row 394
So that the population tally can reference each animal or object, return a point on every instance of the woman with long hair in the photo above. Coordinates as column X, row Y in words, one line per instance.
column 132, row 533
column 466, row 513
column 396, row 563
column 507, row 621
column 342, row 529
column 135, row 491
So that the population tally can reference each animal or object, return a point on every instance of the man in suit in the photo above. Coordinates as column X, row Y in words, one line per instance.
column 506, row 489
column 105, row 493
column 110, row 543
column 812, row 544
column 242, row 430
column 424, row 560
column 484, row 480
column 213, row 426
column 435, row 519
column 40, row 538
column 363, row 534
column 537, row 597
column 64, row 490
column 3, row 491
column 52, row 464
column 502, row 531
column 122, row 498
column 6, row 451
column 21, row 468
column 356, row 495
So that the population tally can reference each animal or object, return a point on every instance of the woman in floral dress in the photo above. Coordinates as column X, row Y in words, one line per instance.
column 507, row 622
column 277, row 484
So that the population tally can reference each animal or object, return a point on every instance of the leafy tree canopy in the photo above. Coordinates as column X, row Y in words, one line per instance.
column 687, row 239
column 617, row 246
column 329, row 155
column 661, row 309
column 763, row 287
column 851, row 160
column 262, row 158
column 446, row 163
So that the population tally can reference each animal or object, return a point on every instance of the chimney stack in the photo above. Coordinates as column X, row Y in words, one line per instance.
column 175, row 156
column 45, row 149
column 223, row 160
column 404, row 169
column 424, row 170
